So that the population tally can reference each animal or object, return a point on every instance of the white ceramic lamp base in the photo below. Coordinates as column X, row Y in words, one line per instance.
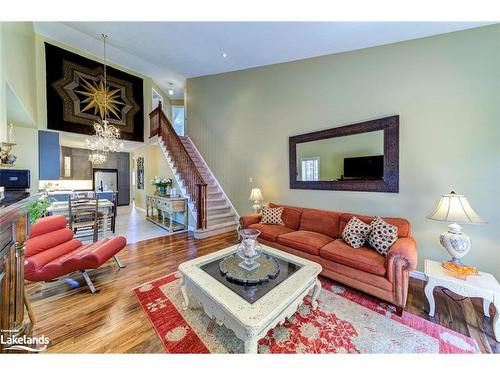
column 257, row 207
column 455, row 242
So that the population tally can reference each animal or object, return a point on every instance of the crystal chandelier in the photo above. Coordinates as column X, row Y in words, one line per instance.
column 107, row 137
column 97, row 158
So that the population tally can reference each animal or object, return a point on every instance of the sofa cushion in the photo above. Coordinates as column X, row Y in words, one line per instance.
column 43, row 242
column 382, row 236
column 272, row 215
column 356, row 232
column 270, row 232
column 47, row 225
column 404, row 229
column 290, row 216
column 304, row 240
column 320, row 221
column 363, row 258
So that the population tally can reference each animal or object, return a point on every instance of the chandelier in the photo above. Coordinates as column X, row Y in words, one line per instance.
column 97, row 158
column 107, row 137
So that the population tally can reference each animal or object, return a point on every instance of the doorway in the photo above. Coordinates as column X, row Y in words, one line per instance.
column 178, row 119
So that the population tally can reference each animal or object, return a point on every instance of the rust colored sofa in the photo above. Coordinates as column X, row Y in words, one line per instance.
column 317, row 235
column 51, row 252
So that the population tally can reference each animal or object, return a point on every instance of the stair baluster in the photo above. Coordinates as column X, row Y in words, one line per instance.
column 192, row 178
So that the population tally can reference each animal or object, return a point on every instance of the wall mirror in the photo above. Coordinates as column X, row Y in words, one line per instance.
column 357, row 157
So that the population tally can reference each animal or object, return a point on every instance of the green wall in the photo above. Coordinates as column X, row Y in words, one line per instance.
column 446, row 90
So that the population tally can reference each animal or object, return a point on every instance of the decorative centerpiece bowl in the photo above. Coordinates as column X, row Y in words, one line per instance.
column 249, row 249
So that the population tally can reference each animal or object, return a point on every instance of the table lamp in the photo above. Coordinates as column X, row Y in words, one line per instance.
column 256, row 197
column 456, row 209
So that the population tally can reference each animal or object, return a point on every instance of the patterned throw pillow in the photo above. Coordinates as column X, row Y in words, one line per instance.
column 272, row 215
column 356, row 232
column 382, row 236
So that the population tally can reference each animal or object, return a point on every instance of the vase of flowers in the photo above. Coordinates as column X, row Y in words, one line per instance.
column 7, row 158
column 162, row 185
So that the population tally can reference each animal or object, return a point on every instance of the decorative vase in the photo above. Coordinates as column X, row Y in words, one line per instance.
column 249, row 249
column 456, row 243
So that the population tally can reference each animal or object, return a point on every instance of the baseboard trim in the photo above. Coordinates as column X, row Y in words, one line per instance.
column 419, row 275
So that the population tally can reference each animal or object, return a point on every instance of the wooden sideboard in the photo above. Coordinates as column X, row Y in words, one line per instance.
column 168, row 212
column 14, row 223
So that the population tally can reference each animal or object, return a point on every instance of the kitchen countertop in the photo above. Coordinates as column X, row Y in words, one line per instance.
column 53, row 192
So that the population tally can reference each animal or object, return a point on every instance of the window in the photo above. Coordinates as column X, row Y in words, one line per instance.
column 155, row 99
column 67, row 166
column 178, row 119
column 310, row 169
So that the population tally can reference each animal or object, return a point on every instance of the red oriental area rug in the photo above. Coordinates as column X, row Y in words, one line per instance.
column 346, row 321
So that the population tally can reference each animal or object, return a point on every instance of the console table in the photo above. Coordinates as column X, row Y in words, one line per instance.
column 484, row 286
column 165, row 212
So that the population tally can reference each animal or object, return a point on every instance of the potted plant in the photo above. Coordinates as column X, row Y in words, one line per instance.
column 38, row 209
column 161, row 184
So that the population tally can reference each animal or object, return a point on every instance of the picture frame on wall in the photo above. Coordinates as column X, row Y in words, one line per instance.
column 140, row 173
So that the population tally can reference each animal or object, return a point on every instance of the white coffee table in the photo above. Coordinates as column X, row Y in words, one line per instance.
column 483, row 286
column 250, row 321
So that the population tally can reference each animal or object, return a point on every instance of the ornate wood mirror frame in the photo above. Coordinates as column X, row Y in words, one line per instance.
column 390, row 181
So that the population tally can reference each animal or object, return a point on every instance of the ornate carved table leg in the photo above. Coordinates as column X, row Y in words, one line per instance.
column 316, row 290
column 185, row 304
column 496, row 320
column 251, row 344
column 429, row 293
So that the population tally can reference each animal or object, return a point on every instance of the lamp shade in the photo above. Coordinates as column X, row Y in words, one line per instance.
column 255, row 195
column 455, row 208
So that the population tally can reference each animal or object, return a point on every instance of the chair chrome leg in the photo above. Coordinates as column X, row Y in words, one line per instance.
column 238, row 228
column 88, row 281
column 118, row 262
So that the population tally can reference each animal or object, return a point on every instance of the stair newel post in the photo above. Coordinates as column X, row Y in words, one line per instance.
column 201, row 203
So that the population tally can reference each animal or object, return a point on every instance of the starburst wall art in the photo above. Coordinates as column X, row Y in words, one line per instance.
column 77, row 98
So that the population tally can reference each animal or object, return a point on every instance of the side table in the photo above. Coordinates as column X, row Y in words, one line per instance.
column 484, row 286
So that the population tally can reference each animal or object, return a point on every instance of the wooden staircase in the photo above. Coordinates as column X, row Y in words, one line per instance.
column 208, row 203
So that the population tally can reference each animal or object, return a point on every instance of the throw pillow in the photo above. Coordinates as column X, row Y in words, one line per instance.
column 356, row 232
column 382, row 236
column 272, row 215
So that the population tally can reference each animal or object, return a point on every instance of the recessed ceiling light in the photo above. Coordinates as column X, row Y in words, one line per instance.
column 224, row 54
column 171, row 90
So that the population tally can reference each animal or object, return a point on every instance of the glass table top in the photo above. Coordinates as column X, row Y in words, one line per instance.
column 251, row 293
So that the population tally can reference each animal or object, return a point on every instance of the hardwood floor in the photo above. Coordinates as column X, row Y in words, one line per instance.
column 112, row 321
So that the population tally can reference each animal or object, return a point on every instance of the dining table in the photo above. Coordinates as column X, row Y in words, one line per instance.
column 105, row 208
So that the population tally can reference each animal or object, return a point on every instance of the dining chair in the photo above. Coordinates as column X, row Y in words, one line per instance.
column 83, row 210
column 114, row 211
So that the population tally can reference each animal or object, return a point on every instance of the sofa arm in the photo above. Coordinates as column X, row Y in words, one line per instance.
column 403, row 253
column 400, row 260
column 245, row 221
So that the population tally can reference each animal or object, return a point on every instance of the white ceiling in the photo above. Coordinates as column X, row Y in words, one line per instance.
column 174, row 51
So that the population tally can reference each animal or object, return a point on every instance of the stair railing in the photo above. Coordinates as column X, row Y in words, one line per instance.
column 194, row 182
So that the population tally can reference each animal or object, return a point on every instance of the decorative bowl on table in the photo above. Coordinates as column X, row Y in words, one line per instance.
column 268, row 269
column 249, row 249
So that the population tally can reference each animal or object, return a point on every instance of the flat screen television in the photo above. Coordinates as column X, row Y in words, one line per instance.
column 364, row 167
column 15, row 179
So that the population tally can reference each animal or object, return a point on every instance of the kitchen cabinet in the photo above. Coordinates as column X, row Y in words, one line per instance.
column 49, row 155
column 80, row 165
column 123, row 178
column 75, row 164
